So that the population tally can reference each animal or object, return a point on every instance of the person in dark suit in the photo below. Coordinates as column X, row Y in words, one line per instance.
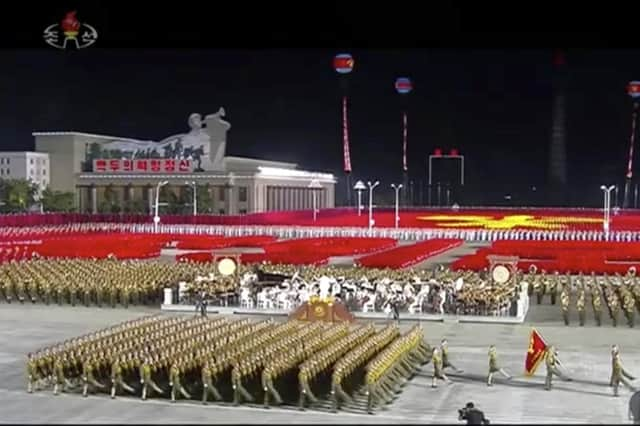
column 472, row 415
column 634, row 408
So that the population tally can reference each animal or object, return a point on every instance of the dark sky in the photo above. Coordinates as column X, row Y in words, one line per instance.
column 493, row 105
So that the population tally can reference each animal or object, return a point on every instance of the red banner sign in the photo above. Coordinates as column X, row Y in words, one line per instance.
column 535, row 352
column 147, row 165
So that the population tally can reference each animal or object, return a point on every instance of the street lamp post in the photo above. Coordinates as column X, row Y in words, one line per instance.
column 195, row 196
column 156, row 217
column 397, row 188
column 607, row 207
column 314, row 185
column 371, row 188
column 359, row 186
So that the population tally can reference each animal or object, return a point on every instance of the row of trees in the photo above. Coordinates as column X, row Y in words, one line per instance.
column 21, row 195
column 172, row 202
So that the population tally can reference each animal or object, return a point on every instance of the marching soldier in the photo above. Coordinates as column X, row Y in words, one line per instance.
column 32, row 373
column 87, row 295
column 174, row 381
column 207, row 383
column 58, row 367
column 73, row 292
column 117, row 377
column 124, row 296
column 88, row 377
column 542, row 287
column 596, row 302
column 553, row 287
column 494, row 367
column 438, row 368
column 614, row 306
column 580, row 305
column 46, row 292
column 60, row 294
column 618, row 373
column 145, row 378
column 629, row 307
column 112, row 292
column 552, row 362
column 565, row 301
column 99, row 294
column 444, row 350
column 20, row 291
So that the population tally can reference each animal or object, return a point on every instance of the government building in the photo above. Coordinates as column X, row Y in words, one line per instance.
column 110, row 174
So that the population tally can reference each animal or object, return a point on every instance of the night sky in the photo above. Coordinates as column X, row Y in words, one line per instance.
column 494, row 105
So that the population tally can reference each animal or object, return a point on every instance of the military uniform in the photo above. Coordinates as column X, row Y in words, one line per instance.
column 494, row 367
column 146, row 370
column 175, row 383
column 541, row 288
column 33, row 375
column 564, row 300
column 551, row 362
column 88, row 368
column 596, row 303
column 553, row 288
column 580, row 306
column 438, row 367
column 618, row 373
column 629, row 308
column 614, row 307
column 444, row 351
column 117, row 377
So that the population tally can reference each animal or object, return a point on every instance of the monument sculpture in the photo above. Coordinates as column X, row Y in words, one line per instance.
column 204, row 144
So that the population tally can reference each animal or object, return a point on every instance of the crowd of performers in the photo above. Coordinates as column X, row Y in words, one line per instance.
column 285, row 231
column 438, row 291
column 112, row 282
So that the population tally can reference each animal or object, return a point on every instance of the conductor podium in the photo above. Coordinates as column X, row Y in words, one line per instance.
column 322, row 309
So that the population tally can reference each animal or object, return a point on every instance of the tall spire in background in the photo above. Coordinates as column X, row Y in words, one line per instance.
column 558, row 146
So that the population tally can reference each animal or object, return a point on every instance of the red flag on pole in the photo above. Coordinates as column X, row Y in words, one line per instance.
column 535, row 353
column 404, row 142
column 633, row 136
column 345, row 137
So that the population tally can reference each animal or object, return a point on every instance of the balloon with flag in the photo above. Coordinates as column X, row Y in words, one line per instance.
column 633, row 90
column 535, row 353
column 404, row 86
column 343, row 64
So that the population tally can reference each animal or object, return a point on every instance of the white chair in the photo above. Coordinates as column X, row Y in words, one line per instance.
column 370, row 304
column 246, row 301
column 263, row 301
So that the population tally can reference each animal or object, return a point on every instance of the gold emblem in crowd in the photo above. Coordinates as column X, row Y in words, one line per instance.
column 319, row 311
column 507, row 222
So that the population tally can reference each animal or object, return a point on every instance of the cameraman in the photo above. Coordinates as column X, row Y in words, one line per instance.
column 472, row 415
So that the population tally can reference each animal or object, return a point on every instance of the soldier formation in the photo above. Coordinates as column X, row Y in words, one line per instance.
column 105, row 282
column 618, row 292
column 233, row 360
column 293, row 362
column 110, row 282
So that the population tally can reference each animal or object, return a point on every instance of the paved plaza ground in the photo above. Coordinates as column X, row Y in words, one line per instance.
column 584, row 351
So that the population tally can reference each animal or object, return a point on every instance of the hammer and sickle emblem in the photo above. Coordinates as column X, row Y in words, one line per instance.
column 531, row 345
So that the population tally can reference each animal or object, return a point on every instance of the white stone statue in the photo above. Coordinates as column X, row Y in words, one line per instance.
column 204, row 144
column 325, row 286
